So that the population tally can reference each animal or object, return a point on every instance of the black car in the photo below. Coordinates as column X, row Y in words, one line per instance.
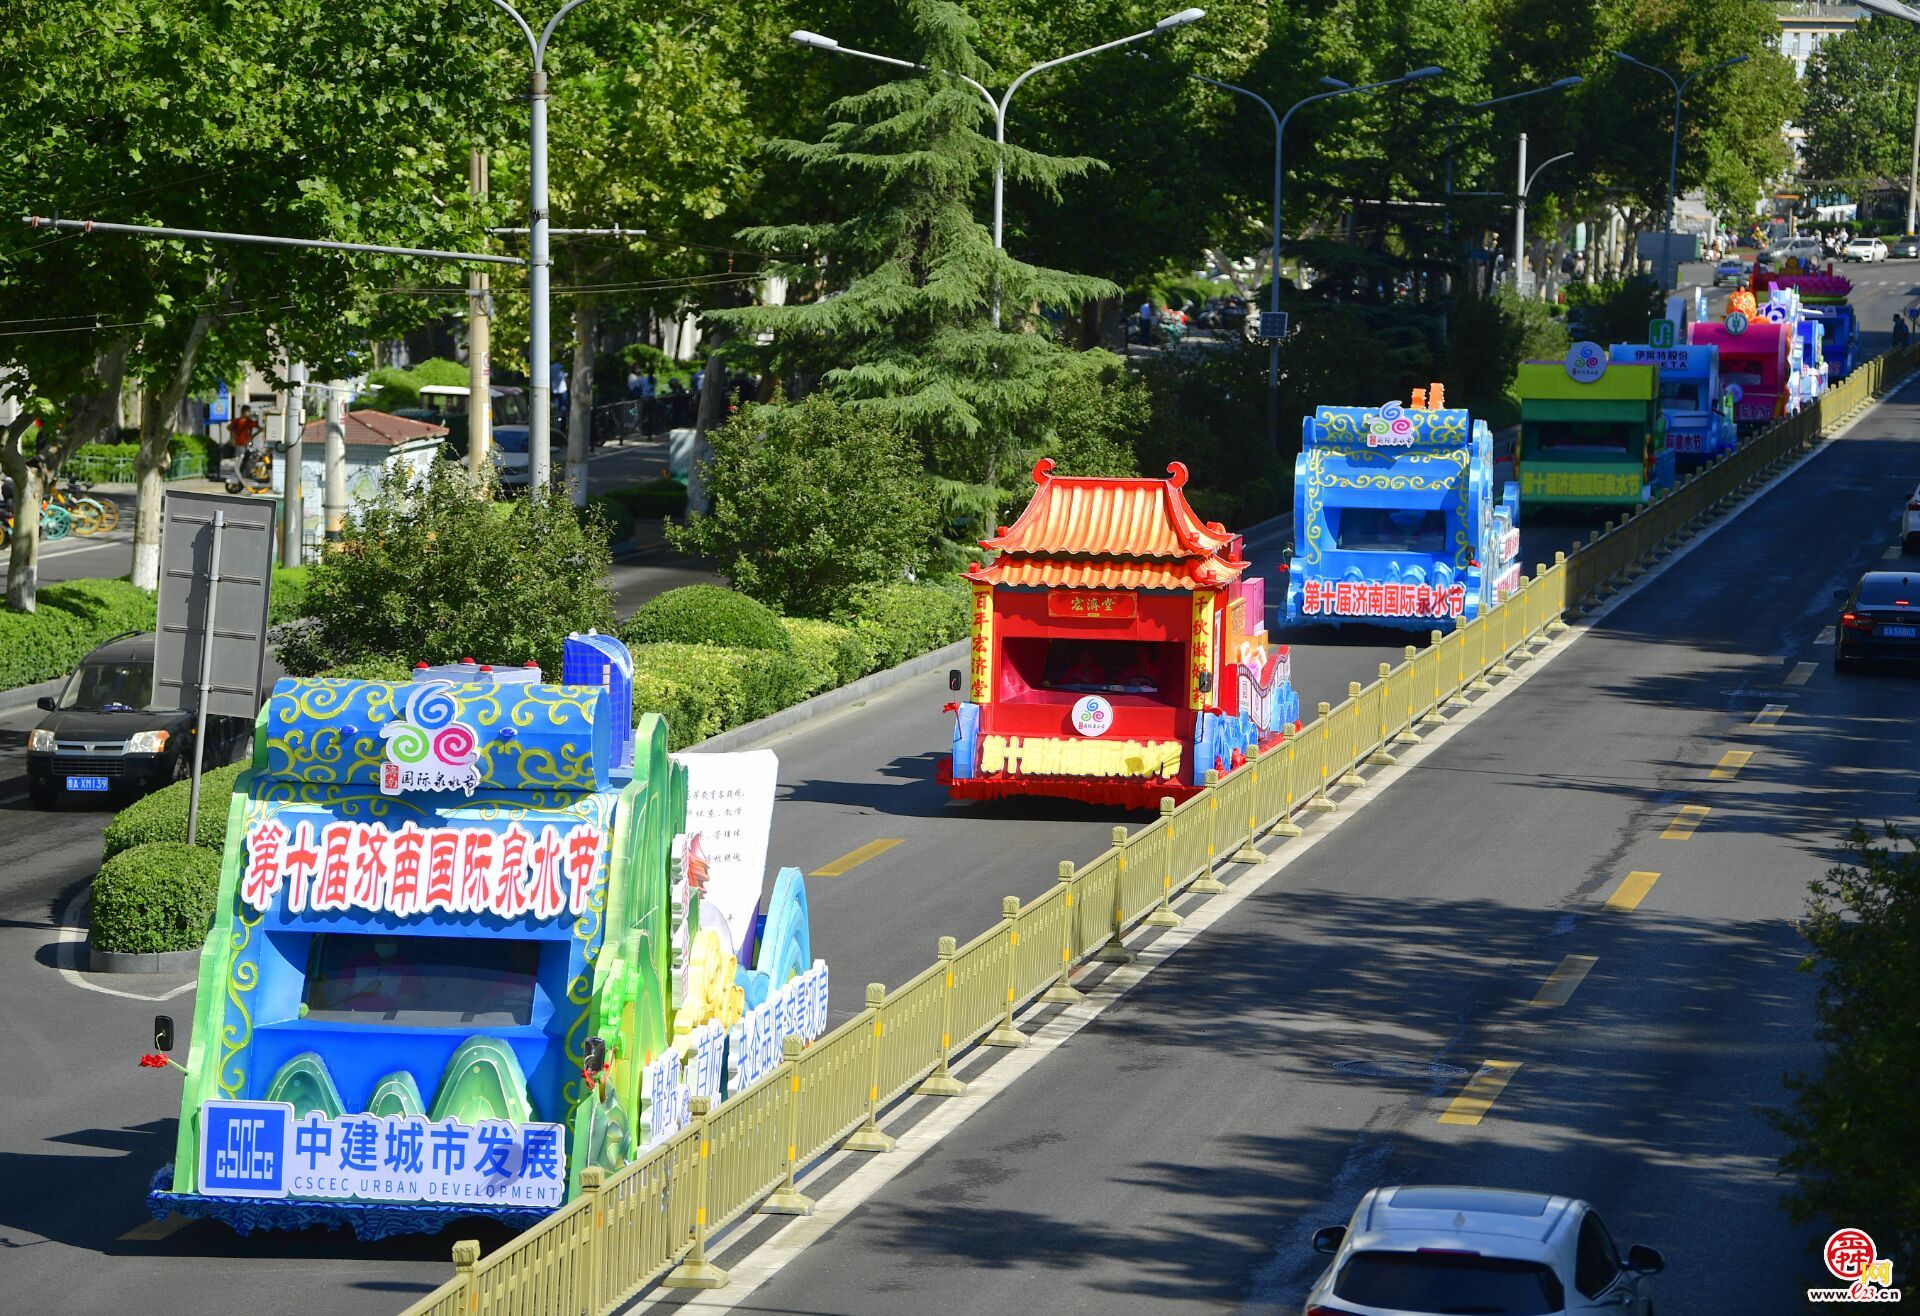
column 100, row 741
column 1879, row 618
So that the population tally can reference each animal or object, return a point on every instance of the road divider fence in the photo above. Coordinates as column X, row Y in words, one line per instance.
column 651, row 1222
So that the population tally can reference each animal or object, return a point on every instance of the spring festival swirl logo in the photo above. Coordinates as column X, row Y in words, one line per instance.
column 1390, row 429
column 427, row 750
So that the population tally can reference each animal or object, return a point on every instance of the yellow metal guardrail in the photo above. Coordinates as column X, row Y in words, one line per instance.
column 651, row 1221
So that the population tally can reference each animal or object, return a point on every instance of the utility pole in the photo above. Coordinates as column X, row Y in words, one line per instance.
column 293, row 412
column 479, row 348
column 1913, row 174
column 1520, row 220
column 336, row 496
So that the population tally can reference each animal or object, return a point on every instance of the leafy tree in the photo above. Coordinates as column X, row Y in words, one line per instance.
column 903, row 284
column 813, row 503
column 427, row 573
column 1850, row 1120
column 1859, row 101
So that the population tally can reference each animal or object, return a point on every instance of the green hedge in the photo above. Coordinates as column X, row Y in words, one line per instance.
column 162, row 816
column 704, row 689
column 904, row 621
column 73, row 619
column 289, row 594
column 834, row 655
column 155, row 897
column 707, row 614
column 373, row 669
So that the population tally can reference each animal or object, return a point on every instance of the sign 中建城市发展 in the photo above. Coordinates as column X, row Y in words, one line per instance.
column 1116, row 605
column 410, row 871
column 258, row 1149
column 1092, row 715
column 427, row 749
column 1585, row 362
column 1377, row 598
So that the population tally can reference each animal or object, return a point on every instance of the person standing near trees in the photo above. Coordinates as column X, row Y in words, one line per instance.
column 243, row 430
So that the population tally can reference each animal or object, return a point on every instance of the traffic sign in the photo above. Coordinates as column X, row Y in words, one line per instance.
column 220, row 410
column 1273, row 324
column 1660, row 333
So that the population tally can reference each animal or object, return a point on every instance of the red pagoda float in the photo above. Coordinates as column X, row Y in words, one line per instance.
column 1118, row 655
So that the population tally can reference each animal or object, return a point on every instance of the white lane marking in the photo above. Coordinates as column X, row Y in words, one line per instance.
column 1825, row 636
column 1893, row 553
column 66, row 955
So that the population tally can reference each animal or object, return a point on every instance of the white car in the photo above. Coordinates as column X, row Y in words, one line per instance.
column 1425, row 1251
column 1910, row 524
column 1868, row 249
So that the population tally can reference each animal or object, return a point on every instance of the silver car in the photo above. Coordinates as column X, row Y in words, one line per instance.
column 1424, row 1251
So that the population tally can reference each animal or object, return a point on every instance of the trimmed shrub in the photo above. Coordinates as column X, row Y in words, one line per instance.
column 289, row 594
column 704, row 689
column 155, row 897
column 162, row 816
column 835, row 654
column 373, row 669
column 904, row 621
column 707, row 614
column 73, row 619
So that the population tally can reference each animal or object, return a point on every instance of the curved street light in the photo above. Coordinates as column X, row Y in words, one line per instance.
column 816, row 41
column 1336, row 88
column 1893, row 9
column 1520, row 210
column 1679, row 90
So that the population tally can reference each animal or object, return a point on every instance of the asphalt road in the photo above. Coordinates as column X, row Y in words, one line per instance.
column 1178, row 1152
column 80, row 1112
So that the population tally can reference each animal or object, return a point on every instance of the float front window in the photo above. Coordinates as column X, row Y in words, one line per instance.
column 421, row 982
column 1605, row 439
column 1389, row 529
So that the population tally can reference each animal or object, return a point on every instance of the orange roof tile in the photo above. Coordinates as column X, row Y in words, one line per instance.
column 369, row 428
column 1207, row 573
column 1113, row 517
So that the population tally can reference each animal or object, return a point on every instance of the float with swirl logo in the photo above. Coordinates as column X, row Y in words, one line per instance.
column 462, row 951
column 1397, row 519
column 1591, row 432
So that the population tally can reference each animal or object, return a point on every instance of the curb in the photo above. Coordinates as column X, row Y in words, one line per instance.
column 20, row 697
column 166, row 961
column 741, row 737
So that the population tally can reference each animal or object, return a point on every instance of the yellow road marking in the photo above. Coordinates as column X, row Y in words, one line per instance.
column 1799, row 674
column 854, row 858
column 1632, row 890
column 1684, row 822
column 154, row 1230
column 1477, row 1097
column 1558, row 988
column 1769, row 715
column 1730, row 764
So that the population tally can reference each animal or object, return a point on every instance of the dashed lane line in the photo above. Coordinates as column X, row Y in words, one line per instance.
column 1800, row 673
column 1730, row 764
column 1769, row 716
column 851, row 860
column 1559, row 987
column 1632, row 890
column 1685, row 822
column 1478, row 1096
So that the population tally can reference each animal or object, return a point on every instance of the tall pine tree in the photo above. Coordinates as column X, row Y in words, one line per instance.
column 903, row 282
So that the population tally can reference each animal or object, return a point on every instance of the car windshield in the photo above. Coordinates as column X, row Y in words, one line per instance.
column 1441, row 1283
column 1388, row 529
column 109, row 685
column 1887, row 591
column 427, row 982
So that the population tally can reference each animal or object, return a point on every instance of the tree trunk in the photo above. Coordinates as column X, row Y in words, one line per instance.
column 150, row 465
column 586, row 319
column 90, row 415
column 711, row 415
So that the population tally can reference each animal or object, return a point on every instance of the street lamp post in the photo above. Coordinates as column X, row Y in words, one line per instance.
column 540, row 345
column 1560, row 85
column 1893, row 9
column 1520, row 211
column 999, row 107
column 1337, row 88
column 1679, row 91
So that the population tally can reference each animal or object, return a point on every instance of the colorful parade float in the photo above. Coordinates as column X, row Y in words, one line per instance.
column 1697, row 410
column 1823, row 298
column 1759, row 358
column 1591, row 433
column 1397, row 518
column 1119, row 652
column 475, row 933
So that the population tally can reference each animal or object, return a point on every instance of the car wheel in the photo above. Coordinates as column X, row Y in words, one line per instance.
column 41, row 797
column 1910, row 544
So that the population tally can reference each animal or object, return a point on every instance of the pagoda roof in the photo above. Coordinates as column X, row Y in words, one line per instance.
column 1110, row 532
